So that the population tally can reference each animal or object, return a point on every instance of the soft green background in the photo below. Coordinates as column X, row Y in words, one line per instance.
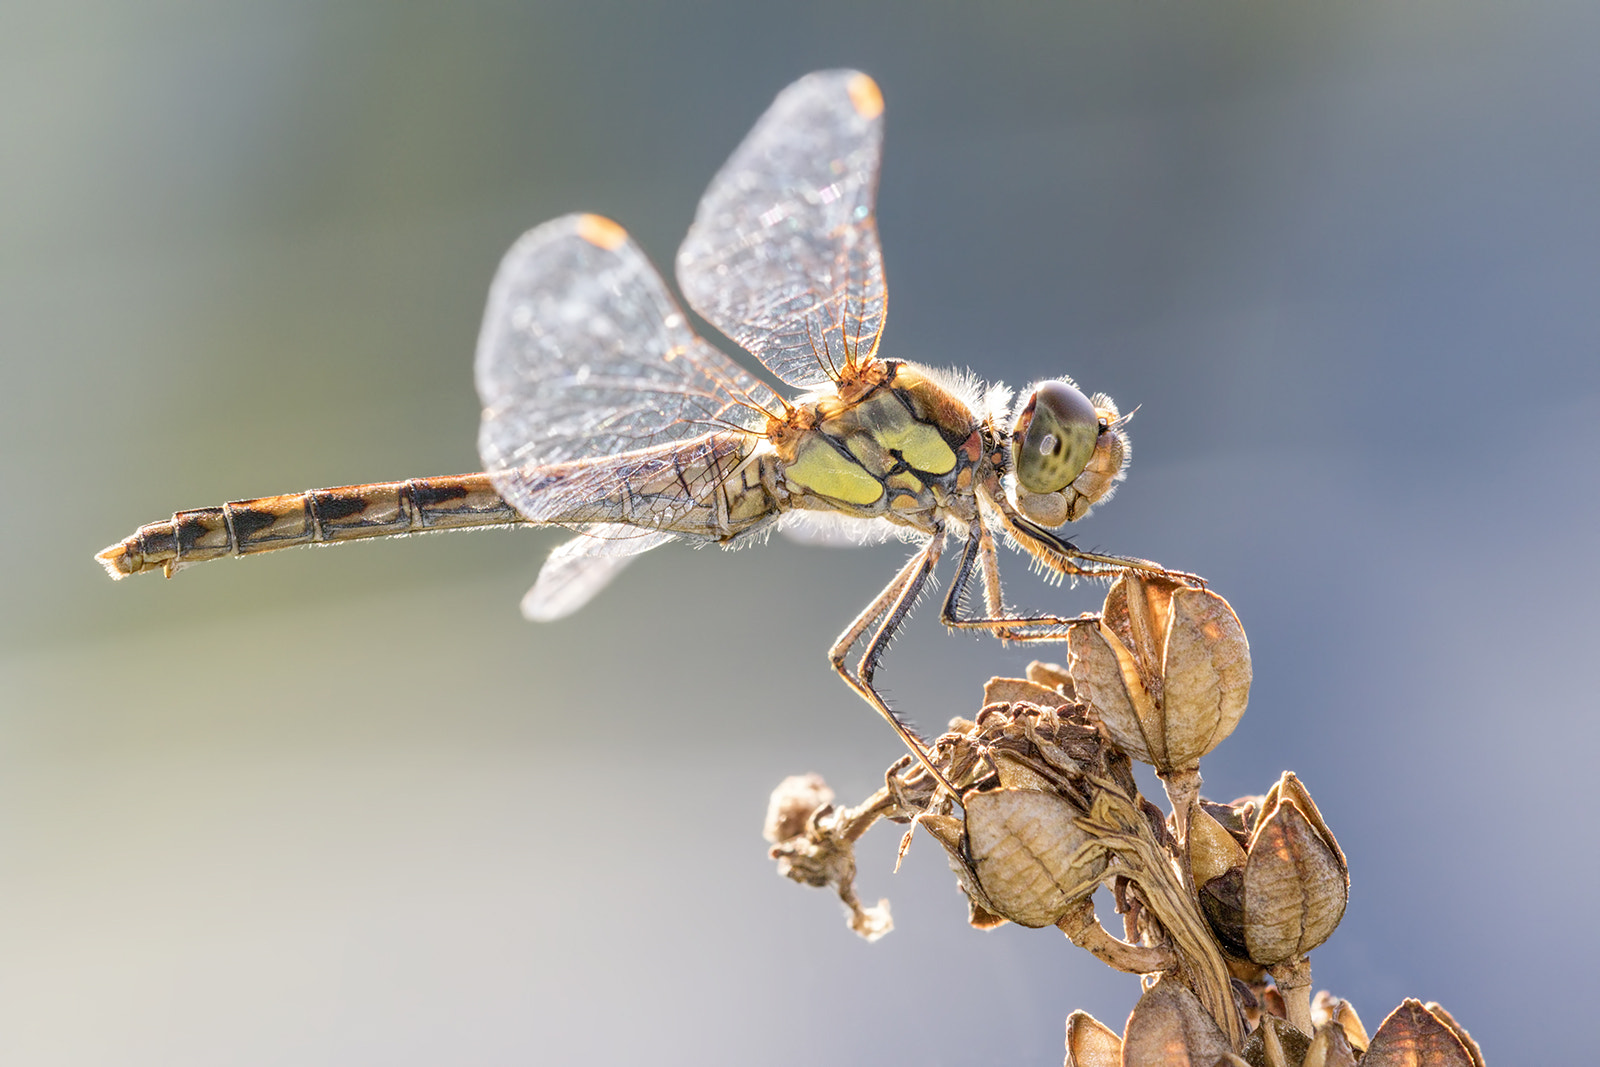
column 345, row 806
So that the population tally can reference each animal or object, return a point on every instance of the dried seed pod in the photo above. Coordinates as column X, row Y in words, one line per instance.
column 1013, row 690
column 1023, row 848
column 1018, row 852
column 1437, row 1011
column 1327, row 1008
column 1216, row 864
column 1283, row 894
column 1091, row 1043
column 1167, row 669
column 1168, row 1026
column 1275, row 1042
column 1296, row 881
column 1052, row 676
column 1023, row 767
column 1330, row 1047
column 1412, row 1036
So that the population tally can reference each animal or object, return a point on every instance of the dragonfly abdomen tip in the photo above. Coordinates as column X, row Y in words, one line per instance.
column 115, row 561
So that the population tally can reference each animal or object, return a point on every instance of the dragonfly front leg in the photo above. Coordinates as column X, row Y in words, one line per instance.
column 980, row 556
column 891, row 606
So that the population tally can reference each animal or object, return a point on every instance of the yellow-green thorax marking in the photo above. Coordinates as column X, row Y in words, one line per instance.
column 893, row 444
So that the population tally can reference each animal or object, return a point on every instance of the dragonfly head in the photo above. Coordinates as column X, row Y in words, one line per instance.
column 1067, row 450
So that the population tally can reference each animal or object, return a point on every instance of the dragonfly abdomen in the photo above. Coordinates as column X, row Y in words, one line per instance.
column 318, row 516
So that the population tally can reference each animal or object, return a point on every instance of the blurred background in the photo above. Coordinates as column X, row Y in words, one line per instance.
column 345, row 806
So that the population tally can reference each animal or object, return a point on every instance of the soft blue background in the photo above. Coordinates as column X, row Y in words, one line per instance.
column 346, row 807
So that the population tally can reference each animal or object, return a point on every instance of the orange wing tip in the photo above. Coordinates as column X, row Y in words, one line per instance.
column 865, row 96
column 115, row 561
column 601, row 232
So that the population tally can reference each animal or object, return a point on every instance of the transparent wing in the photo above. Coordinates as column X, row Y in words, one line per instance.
column 783, row 255
column 584, row 353
column 578, row 569
column 670, row 488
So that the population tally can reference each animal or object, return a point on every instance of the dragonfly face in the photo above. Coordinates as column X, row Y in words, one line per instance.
column 605, row 414
column 1069, row 452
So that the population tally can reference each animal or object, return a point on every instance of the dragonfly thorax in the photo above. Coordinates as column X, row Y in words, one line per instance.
column 903, row 448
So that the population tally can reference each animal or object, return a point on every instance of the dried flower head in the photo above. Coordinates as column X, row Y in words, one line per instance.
column 1034, row 802
column 793, row 803
column 1017, row 849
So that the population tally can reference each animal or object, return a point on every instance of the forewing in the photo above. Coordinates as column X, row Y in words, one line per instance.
column 783, row 255
column 578, row 569
column 584, row 353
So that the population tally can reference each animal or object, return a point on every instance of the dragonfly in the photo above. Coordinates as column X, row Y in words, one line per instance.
column 605, row 414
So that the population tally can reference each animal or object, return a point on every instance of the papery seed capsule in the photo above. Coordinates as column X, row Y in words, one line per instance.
column 1275, row 1041
column 1412, row 1036
column 1017, row 849
column 1284, row 892
column 1169, row 1026
column 1327, row 1008
column 1438, row 1011
column 1022, row 845
column 1091, row 1043
column 1216, row 863
column 1330, row 1047
column 1296, row 883
column 1167, row 670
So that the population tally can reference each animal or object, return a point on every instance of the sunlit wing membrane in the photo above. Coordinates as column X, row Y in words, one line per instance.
column 581, row 567
column 783, row 255
column 651, row 489
column 584, row 353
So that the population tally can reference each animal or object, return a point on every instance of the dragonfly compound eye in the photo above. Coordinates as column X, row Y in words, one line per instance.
column 1054, row 437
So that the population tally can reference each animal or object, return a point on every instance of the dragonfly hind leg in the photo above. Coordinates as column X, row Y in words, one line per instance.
column 891, row 606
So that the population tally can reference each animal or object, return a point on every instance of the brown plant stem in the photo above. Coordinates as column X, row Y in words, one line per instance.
column 1118, row 825
column 1083, row 929
column 1294, row 982
column 1183, row 792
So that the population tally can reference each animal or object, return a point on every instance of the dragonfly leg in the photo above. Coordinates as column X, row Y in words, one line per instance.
column 1116, row 565
column 891, row 606
column 980, row 556
column 1057, row 554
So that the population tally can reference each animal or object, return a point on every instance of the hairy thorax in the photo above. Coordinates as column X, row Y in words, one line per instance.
column 893, row 444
